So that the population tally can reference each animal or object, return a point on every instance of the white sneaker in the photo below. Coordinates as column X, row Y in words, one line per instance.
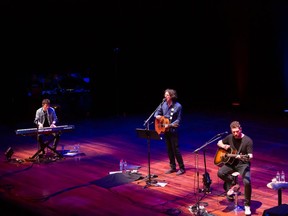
column 247, row 210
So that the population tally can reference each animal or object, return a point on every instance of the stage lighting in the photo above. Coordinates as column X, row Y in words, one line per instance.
column 9, row 152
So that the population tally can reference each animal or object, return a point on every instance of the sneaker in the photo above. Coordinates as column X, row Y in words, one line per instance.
column 233, row 189
column 180, row 172
column 247, row 210
column 170, row 171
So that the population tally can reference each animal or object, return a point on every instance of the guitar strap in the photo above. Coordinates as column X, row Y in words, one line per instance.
column 238, row 152
column 171, row 115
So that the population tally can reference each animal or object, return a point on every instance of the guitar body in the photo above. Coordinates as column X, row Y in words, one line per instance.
column 221, row 156
column 160, row 124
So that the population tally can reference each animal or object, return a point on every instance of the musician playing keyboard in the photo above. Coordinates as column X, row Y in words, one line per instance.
column 46, row 117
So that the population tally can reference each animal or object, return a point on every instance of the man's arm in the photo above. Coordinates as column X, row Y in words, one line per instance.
column 220, row 144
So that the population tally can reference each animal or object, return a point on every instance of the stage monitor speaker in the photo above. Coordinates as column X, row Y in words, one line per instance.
column 9, row 152
column 281, row 210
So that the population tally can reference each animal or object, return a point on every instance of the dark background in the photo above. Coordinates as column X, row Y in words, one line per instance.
column 214, row 53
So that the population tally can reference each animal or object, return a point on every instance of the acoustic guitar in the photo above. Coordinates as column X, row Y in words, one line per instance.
column 223, row 156
column 160, row 124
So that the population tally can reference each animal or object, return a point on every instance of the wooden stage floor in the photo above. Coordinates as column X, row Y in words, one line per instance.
column 80, row 185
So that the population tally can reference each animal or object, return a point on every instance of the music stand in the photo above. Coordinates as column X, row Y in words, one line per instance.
column 148, row 134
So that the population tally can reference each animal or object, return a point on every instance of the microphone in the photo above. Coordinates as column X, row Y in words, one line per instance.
column 163, row 100
column 221, row 134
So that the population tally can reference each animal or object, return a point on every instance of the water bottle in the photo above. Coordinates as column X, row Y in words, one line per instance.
column 78, row 148
column 278, row 176
column 121, row 164
column 125, row 166
column 282, row 176
column 75, row 148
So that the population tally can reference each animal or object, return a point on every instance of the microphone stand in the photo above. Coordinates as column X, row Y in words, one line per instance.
column 149, row 182
column 196, row 208
column 152, row 114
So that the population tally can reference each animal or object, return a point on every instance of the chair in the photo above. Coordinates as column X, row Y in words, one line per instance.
column 234, row 190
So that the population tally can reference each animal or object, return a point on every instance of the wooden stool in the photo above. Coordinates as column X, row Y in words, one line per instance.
column 235, row 191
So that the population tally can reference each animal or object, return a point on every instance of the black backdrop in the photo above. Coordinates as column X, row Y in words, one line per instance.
column 213, row 53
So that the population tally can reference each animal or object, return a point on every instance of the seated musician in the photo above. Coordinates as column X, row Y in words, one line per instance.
column 46, row 117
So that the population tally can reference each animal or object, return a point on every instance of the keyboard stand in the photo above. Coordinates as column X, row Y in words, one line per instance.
column 46, row 146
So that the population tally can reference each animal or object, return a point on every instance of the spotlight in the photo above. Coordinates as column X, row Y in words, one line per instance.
column 9, row 152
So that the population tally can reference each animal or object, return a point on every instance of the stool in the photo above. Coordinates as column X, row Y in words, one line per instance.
column 235, row 191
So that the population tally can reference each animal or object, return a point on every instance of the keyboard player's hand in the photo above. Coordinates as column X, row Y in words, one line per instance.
column 53, row 125
column 40, row 126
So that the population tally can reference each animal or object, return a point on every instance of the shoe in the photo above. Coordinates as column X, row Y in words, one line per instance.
column 247, row 210
column 170, row 171
column 233, row 189
column 180, row 172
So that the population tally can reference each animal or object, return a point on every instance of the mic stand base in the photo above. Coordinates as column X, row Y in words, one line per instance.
column 149, row 181
column 151, row 176
column 205, row 190
column 199, row 209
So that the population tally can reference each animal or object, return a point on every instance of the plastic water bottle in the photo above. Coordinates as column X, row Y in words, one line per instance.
column 121, row 165
column 278, row 176
column 282, row 176
column 78, row 148
column 125, row 166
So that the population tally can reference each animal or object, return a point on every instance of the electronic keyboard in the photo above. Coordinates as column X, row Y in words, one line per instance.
column 45, row 130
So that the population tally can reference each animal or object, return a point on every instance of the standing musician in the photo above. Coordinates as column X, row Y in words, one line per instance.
column 168, row 115
column 46, row 117
column 242, row 145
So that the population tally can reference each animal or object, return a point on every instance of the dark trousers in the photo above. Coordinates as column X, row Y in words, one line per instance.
column 172, row 144
column 46, row 139
column 225, row 172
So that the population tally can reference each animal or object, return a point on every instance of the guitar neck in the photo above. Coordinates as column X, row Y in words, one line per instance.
column 235, row 155
column 231, row 155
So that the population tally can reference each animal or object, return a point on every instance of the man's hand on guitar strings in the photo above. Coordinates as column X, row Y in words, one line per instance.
column 244, row 158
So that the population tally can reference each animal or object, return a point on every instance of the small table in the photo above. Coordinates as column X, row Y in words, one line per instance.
column 278, row 186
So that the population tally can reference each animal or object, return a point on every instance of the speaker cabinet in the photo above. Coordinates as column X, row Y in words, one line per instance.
column 9, row 152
